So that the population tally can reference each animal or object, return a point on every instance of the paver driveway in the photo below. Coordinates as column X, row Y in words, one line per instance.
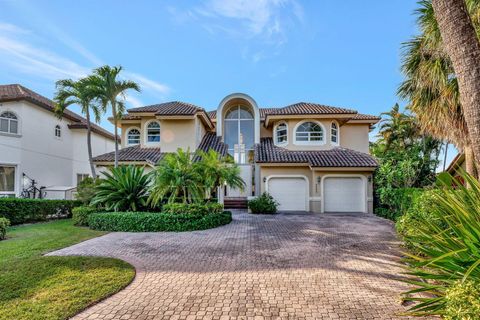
column 294, row 266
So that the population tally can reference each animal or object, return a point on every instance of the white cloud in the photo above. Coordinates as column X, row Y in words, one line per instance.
column 148, row 84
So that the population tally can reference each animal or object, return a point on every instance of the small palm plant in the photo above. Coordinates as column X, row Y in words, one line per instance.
column 217, row 171
column 125, row 188
column 175, row 178
column 448, row 252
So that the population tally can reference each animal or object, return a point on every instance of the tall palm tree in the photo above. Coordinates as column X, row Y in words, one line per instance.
column 431, row 85
column 398, row 127
column 461, row 43
column 82, row 93
column 112, row 92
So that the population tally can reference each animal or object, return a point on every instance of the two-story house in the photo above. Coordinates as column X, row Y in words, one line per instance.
column 36, row 144
column 308, row 156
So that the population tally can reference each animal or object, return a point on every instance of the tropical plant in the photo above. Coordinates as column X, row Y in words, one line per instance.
column 461, row 43
column 448, row 251
column 265, row 204
column 431, row 85
column 83, row 94
column 217, row 171
column 86, row 189
column 176, row 178
column 111, row 91
column 124, row 188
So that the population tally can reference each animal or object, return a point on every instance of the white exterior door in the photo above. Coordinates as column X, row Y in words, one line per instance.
column 291, row 193
column 246, row 174
column 344, row 194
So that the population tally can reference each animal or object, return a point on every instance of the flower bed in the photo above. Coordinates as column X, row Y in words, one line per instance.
column 155, row 221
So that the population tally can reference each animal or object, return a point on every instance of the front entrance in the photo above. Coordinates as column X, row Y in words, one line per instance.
column 246, row 173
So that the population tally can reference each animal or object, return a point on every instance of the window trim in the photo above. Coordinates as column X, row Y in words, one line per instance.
column 59, row 129
column 337, row 143
column 139, row 136
column 146, row 132
column 17, row 119
column 15, row 181
column 309, row 143
column 275, row 134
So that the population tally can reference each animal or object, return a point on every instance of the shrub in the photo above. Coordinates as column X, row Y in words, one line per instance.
column 86, row 190
column 447, row 251
column 263, row 204
column 4, row 223
column 19, row 210
column 395, row 202
column 193, row 208
column 124, row 188
column 463, row 301
column 153, row 221
column 80, row 215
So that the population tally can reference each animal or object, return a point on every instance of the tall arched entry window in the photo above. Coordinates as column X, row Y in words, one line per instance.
column 239, row 133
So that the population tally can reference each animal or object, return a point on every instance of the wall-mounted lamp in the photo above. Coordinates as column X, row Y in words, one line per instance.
column 370, row 178
column 264, row 179
column 319, row 179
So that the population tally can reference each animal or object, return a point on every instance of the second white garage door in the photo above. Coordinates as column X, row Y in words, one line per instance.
column 291, row 193
column 344, row 194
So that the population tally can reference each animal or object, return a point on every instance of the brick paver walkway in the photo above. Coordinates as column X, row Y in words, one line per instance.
column 286, row 266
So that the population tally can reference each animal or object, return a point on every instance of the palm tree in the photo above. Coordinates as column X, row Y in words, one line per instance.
column 176, row 178
column 112, row 93
column 397, row 127
column 82, row 93
column 460, row 42
column 217, row 171
column 431, row 86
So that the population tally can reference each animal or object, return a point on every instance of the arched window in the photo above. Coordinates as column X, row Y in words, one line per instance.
column 133, row 137
column 153, row 132
column 8, row 122
column 239, row 133
column 281, row 133
column 334, row 133
column 58, row 131
column 309, row 132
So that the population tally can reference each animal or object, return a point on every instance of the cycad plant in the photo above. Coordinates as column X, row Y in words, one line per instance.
column 124, row 188
column 448, row 252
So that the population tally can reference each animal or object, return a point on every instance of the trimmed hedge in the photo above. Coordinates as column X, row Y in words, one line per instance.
column 265, row 204
column 80, row 215
column 153, row 221
column 4, row 223
column 202, row 209
column 19, row 210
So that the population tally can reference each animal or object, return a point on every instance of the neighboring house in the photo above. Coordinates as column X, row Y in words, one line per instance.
column 36, row 143
column 457, row 167
column 309, row 157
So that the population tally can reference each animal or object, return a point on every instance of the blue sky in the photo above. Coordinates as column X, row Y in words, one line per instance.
column 340, row 53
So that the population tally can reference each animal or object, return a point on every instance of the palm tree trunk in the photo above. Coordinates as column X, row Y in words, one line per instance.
column 89, row 143
column 463, row 47
column 115, row 120
column 445, row 156
column 470, row 163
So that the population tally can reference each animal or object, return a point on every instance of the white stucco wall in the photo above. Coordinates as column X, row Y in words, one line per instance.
column 38, row 153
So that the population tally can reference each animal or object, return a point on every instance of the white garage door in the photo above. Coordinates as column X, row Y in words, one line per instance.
column 291, row 193
column 344, row 194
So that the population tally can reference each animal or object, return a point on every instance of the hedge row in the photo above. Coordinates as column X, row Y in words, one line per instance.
column 154, row 221
column 19, row 210
column 201, row 209
column 393, row 203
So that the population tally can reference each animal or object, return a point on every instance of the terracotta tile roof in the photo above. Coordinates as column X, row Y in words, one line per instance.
column 211, row 141
column 131, row 117
column 170, row 108
column 267, row 152
column 132, row 154
column 360, row 116
column 16, row 92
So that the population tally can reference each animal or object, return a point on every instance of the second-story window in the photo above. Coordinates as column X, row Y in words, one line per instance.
column 281, row 133
column 58, row 131
column 309, row 132
column 8, row 122
column 153, row 132
column 334, row 133
column 133, row 137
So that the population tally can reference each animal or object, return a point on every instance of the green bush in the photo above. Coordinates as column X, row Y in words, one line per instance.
column 394, row 202
column 263, row 204
column 201, row 209
column 4, row 223
column 463, row 301
column 153, row 221
column 19, row 210
column 86, row 190
column 80, row 215
column 447, row 251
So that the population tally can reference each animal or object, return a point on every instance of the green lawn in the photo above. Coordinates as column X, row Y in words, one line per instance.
column 37, row 287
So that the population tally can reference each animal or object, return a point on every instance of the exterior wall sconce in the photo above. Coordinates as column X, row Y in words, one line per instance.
column 264, row 179
column 369, row 178
column 319, row 179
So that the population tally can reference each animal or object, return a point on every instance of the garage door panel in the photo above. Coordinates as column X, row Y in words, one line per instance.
column 344, row 194
column 291, row 193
